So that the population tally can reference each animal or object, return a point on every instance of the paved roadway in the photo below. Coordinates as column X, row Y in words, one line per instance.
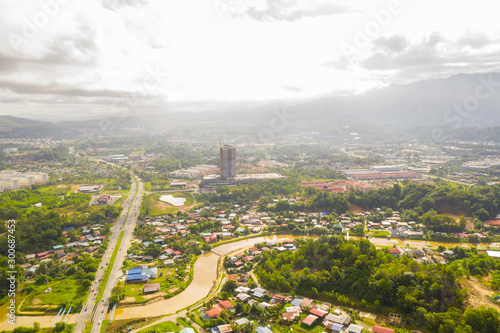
column 127, row 223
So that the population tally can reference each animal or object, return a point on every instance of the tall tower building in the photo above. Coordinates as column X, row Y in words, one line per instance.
column 227, row 162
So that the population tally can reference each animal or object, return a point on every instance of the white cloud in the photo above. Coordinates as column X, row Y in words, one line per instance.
column 234, row 50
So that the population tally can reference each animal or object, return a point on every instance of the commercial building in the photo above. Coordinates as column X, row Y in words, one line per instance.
column 14, row 180
column 228, row 174
column 195, row 172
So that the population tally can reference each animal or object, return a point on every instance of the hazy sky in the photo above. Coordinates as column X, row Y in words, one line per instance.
column 100, row 57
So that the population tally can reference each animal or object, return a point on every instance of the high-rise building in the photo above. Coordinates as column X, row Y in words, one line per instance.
column 227, row 162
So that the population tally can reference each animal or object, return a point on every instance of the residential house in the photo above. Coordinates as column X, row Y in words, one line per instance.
column 354, row 329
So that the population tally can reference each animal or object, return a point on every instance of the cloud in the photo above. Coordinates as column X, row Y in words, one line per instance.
column 393, row 44
column 116, row 4
column 282, row 10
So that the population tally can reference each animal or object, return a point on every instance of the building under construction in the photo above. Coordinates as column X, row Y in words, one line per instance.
column 228, row 176
column 227, row 162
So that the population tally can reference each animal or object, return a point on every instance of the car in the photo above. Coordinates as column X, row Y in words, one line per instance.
column 102, row 311
column 85, row 309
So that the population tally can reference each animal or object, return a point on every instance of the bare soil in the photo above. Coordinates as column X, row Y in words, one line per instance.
column 478, row 294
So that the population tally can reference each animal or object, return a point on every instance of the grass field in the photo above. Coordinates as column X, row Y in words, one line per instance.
column 167, row 326
column 64, row 291
column 152, row 205
column 379, row 233
column 170, row 283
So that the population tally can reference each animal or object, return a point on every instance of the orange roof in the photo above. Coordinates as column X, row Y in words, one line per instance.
column 226, row 304
column 381, row 329
column 309, row 320
column 214, row 312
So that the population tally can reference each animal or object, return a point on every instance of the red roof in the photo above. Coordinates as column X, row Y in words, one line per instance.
column 214, row 312
column 381, row 329
column 226, row 304
column 395, row 250
column 318, row 312
column 239, row 263
column 309, row 320
column 493, row 223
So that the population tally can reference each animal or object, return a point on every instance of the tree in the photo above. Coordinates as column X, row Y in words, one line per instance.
column 86, row 283
column 229, row 286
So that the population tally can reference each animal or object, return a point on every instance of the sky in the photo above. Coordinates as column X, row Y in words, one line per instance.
column 68, row 58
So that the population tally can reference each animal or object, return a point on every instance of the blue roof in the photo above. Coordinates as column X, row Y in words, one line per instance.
column 134, row 271
column 336, row 327
column 137, row 277
column 296, row 302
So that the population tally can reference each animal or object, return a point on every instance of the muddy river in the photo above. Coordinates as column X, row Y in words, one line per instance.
column 205, row 274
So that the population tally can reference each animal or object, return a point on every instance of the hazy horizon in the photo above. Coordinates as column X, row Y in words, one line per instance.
column 68, row 61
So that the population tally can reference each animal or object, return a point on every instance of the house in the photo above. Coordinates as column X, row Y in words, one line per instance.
column 289, row 316
column 306, row 303
column 226, row 328
column 137, row 278
column 232, row 277
column 241, row 321
column 335, row 328
column 187, row 330
column 242, row 297
column 226, row 304
column 42, row 255
column 258, row 292
column 151, row 288
column 381, row 329
column 213, row 312
column 354, row 329
column 337, row 319
column 279, row 299
column 417, row 252
column 395, row 252
column 263, row 329
column 309, row 320
column 296, row 302
column 263, row 305
column 318, row 313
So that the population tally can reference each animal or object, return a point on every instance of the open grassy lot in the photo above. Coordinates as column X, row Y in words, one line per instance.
column 171, row 283
column 166, row 326
column 379, row 233
column 64, row 291
column 152, row 205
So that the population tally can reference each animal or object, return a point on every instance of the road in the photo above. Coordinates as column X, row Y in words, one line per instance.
column 95, row 310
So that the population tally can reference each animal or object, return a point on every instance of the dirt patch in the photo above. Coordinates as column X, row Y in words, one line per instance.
column 355, row 209
column 128, row 300
column 468, row 220
column 478, row 294
column 173, row 290
column 152, row 296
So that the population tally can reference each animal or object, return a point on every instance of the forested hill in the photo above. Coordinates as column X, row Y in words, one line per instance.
column 355, row 273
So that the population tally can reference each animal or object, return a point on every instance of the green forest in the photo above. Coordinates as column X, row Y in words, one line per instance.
column 354, row 273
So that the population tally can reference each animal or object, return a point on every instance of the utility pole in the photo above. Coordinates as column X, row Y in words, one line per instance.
column 46, row 277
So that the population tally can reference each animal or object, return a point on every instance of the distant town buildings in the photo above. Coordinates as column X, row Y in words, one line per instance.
column 380, row 172
column 14, row 180
column 195, row 172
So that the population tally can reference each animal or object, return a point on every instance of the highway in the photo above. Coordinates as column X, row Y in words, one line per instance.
column 95, row 310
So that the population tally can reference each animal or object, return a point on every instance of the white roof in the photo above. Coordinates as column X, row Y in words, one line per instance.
column 494, row 254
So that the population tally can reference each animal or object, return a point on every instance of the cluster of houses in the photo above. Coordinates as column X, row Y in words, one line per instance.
column 317, row 313
column 88, row 242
